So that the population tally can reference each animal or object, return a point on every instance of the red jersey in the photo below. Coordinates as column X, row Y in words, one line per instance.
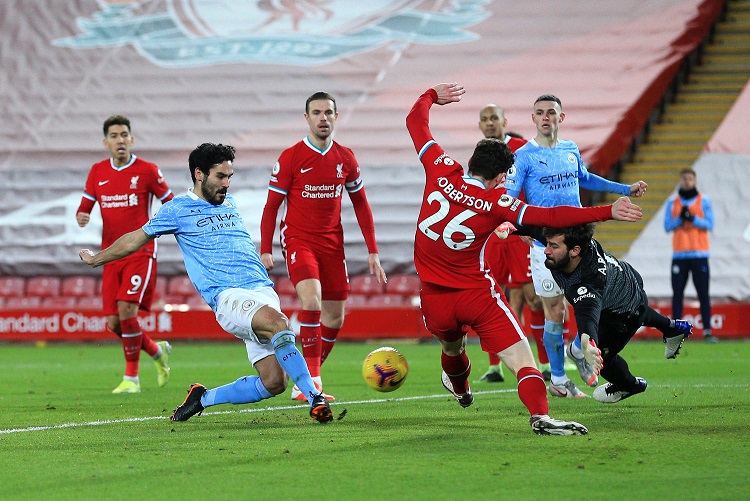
column 125, row 195
column 312, row 182
column 458, row 213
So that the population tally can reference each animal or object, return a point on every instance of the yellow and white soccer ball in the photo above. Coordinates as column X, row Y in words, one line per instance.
column 385, row 369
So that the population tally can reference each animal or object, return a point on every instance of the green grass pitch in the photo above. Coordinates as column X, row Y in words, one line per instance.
column 63, row 435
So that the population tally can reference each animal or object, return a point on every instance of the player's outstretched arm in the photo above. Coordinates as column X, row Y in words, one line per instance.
column 638, row 189
column 625, row 210
column 448, row 93
column 123, row 246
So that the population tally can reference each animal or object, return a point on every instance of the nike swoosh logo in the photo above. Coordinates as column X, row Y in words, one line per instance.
column 102, row 183
column 302, row 171
column 131, row 292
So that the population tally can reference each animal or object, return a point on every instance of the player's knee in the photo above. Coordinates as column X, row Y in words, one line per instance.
column 283, row 339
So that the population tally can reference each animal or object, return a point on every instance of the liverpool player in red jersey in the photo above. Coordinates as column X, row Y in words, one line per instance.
column 311, row 177
column 509, row 259
column 458, row 213
column 124, row 187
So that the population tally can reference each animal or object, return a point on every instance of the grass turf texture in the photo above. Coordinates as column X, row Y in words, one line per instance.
column 686, row 437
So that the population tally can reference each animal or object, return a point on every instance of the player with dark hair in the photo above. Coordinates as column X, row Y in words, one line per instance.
column 125, row 186
column 508, row 257
column 610, row 306
column 459, row 212
column 550, row 171
column 225, row 268
column 311, row 177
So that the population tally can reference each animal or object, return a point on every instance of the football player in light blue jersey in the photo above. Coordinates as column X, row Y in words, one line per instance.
column 225, row 268
column 550, row 171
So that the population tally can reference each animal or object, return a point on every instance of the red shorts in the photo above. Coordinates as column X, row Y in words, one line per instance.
column 448, row 313
column 518, row 255
column 304, row 261
column 132, row 279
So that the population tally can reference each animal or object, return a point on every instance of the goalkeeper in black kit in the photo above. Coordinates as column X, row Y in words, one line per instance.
column 610, row 305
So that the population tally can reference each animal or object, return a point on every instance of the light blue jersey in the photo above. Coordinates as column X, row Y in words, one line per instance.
column 551, row 177
column 218, row 251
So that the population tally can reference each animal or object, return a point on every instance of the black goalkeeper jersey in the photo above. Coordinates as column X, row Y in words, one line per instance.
column 600, row 286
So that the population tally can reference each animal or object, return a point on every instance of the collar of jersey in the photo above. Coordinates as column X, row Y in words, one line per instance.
column 476, row 182
column 306, row 140
column 132, row 160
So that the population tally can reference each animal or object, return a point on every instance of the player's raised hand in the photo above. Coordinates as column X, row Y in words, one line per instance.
column 638, row 189
column 448, row 92
column 625, row 210
column 591, row 353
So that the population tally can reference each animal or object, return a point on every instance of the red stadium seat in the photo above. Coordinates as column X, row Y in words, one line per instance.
column 356, row 301
column 366, row 285
column 404, row 284
column 78, row 286
column 59, row 302
column 174, row 299
column 180, row 285
column 43, row 286
column 12, row 286
column 90, row 303
column 22, row 303
column 385, row 301
column 284, row 286
column 160, row 289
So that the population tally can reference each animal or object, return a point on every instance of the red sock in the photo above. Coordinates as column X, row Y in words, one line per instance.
column 536, row 323
column 309, row 336
column 532, row 390
column 131, row 345
column 148, row 345
column 328, row 337
column 494, row 359
column 458, row 369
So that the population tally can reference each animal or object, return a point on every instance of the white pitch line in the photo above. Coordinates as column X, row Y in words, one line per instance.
column 234, row 411
column 298, row 406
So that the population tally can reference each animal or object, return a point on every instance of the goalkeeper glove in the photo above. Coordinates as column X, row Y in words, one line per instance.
column 504, row 230
column 591, row 353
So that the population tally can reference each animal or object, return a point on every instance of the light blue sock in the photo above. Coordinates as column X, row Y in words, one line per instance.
column 555, row 346
column 245, row 390
column 293, row 363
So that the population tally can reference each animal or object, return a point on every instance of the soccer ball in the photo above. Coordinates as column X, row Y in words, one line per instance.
column 385, row 369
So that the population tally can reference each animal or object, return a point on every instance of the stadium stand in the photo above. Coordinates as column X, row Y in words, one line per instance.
column 43, row 287
column 365, row 285
column 12, row 286
column 78, row 286
column 615, row 63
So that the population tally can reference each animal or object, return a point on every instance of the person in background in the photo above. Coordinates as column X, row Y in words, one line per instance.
column 124, row 186
column 311, row 177
column 690, row 216
column 225, row 268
